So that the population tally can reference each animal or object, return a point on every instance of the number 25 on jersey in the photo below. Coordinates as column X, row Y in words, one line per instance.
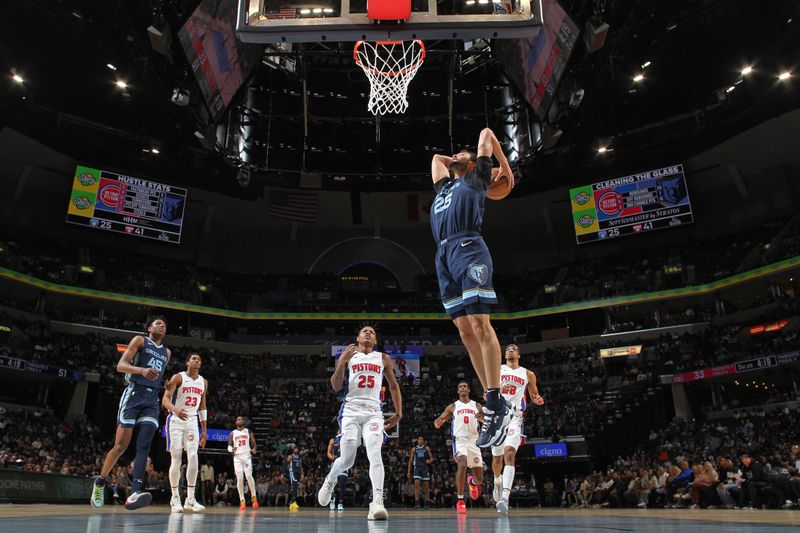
column 366, row 382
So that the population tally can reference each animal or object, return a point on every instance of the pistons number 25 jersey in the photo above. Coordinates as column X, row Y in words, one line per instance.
column 365, row 379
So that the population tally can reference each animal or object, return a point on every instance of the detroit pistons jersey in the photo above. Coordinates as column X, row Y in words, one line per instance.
column 365, row 379
column 189, row 394
column 241, row 441
column 465, row 421
column 458, row 205
column 513, row 383
column 151, row 355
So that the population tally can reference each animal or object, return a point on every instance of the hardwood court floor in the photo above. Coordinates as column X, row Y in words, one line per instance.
column 75, row 518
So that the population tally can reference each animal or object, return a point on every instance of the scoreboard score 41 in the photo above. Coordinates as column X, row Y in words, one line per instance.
column 109, row 201
column 638, row 203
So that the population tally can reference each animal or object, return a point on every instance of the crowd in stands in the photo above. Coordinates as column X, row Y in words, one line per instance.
column 751, row 460
column 651, row 269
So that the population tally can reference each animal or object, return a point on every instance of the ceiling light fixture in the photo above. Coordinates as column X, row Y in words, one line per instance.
column 328, row 10
column 121, row 84
column 111, row 66
column 730, row 89
column 604, row 150
column 305, row 11
column 784, row 76
column 638, row 78
column 747, row 70
column 17, row 78
column 646, row 64
column 317, row 10
column 470, row 2
column 155, row 151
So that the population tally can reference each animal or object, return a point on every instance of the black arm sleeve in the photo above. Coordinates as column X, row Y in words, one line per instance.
column 481, row 177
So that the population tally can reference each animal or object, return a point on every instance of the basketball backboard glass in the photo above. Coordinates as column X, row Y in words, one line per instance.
column 276, row 21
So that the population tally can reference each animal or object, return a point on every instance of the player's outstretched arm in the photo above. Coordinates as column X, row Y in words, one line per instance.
column 488, row 145
column 446, row 415
column 337, row 379
column 533, row 389
column 166, row 399
column 394, row 390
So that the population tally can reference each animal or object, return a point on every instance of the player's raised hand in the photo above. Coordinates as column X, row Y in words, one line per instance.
column 348, row 353
column 150, row 373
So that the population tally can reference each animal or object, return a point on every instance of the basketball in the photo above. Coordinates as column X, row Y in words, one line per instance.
column 498, row 189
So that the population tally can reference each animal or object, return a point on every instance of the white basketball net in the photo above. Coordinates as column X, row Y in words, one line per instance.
column 390, row 66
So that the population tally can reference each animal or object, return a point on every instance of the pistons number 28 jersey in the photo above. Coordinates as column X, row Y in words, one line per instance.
column 241, row 441
column 513, row 382
column 365, row 379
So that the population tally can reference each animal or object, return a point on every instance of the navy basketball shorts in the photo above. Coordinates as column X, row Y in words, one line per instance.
column 138, row 405
column 422, row 473
column 464, row 268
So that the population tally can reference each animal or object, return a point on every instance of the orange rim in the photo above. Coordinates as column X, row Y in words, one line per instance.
column 392, row 73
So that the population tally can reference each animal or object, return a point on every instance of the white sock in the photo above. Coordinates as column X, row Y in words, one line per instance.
column 240, row 487
column 191, row 475
column 190, row 493
column 508, row 478
column 175, row 472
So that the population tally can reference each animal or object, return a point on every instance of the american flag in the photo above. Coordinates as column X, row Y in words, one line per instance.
column 281, row 13
column 293, row 205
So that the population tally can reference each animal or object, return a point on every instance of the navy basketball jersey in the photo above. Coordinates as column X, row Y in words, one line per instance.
column 151, row 355
column 294, row 468
column 458, row 206
column 420, row 456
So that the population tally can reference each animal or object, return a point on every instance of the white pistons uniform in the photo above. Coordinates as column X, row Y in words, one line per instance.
column 513, row 384
column 361, row 414
column 465, row 432
column 185, row 434
column 242, row 458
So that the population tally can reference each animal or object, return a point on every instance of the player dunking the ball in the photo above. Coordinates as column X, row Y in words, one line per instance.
column 514, row 381
column 242, row 444
column 464, row 267
column 359, row 373
column 185, row 399
column 143, row 364
column 466, row 414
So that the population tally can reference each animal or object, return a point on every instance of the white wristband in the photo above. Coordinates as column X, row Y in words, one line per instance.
column 203, row 414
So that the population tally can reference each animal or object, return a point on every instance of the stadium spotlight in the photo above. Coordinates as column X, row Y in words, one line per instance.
column 747, row 70
column 111, row 66
column 121, row 84
column 646, row 64
column 17, row 78
column 730, row 89
column 638, row 78
column 604, row 150
column 784, row 75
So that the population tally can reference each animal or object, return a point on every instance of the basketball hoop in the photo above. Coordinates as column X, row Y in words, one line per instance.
column 390, row 66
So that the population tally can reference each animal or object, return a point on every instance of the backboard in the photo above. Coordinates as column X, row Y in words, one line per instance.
column 297, row 21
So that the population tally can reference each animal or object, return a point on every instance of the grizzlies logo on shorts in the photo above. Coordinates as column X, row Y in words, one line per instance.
column 138, row 405
column 464, row 268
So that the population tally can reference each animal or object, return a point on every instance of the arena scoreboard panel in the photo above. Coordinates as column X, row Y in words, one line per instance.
column 123, row 204
column 651, row 200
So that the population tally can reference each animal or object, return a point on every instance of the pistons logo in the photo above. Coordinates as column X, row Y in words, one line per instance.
column 511, row 432
column 610, row 203
column 374, row 426
column 111, row 194
column 475, row 460
column 190, row 437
